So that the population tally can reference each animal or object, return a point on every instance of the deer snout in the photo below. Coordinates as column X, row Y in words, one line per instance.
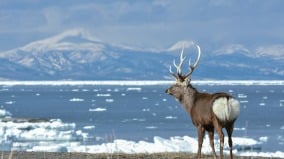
column 168, row 91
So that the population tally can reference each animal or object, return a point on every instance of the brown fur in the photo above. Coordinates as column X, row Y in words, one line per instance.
column 199, row 107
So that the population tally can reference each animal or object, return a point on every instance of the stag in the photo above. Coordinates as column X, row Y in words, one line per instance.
column 208, row 112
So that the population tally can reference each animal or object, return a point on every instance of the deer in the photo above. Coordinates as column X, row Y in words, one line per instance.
column 208, row 112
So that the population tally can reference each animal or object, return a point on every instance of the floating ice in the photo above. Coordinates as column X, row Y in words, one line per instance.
column 134, row 89
column 173, row 144
column 109, row 100
column 151, row 127
column 99, row 109
column 76, row 100
column 56, row 136
column 277, row 154
column 144, row 98
column 170, row 117
column 4, row 113
column 103, row 95
column 242, row 96
column 23, row 134
column 10, row 102
column 243, row 101
column 240, row 129
column 281, row 103
column 263, row 138
column 89, row 127
column 146, row 109
column 134, row 119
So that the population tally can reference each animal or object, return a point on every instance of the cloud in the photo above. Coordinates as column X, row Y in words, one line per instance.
column 153, row 23
column 52, row 17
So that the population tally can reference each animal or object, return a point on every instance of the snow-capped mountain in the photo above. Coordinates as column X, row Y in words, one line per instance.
column 77, row 55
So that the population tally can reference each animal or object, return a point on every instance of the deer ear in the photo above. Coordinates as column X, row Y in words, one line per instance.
column 187, row 80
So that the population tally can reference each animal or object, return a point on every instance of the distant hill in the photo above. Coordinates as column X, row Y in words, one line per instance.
column 76, row 55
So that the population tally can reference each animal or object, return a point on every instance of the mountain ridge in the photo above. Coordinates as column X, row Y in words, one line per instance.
column 77, row 55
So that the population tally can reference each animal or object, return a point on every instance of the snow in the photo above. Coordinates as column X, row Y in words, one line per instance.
column 59, row 43
column 57, row 136
column 180, row 44
column 233, row 48
column 275, row 51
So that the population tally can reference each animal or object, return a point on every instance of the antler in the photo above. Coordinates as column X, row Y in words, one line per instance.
column 179, row 69
column 192, row 67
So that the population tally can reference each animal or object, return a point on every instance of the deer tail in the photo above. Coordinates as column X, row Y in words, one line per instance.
column 226, row 108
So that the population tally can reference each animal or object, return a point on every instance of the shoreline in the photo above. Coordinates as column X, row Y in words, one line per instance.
column 76, row 155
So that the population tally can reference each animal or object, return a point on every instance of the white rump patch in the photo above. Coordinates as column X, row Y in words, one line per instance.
column 226, row 109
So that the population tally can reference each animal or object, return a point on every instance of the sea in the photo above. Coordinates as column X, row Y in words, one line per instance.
column 132, row 117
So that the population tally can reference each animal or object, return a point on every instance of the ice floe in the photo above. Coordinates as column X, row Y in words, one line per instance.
column 109, row 100
column 56, row 136
column 134, row 89
column 99, row 109
column 170, row 117
column 4, row 113
column 24, row 133
column 173, row 144
column 76, row 100
column 103, row 95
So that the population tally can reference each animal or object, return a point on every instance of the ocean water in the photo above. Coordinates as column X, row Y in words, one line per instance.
column 58, row 117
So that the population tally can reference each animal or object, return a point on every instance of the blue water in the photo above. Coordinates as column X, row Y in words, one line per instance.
column 142, row 112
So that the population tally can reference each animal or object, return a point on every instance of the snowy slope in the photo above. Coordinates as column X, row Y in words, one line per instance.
column 77, row 55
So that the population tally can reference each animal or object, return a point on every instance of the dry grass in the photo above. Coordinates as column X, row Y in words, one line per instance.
column 59, row 155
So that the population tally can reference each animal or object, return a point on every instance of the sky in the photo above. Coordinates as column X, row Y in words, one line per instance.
column 147, row 23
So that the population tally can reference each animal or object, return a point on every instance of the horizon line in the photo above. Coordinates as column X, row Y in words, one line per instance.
column 140, row 82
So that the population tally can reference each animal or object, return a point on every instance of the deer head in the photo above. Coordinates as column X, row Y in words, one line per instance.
column 182, row 80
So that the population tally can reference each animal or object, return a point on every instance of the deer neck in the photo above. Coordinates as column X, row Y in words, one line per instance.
column 188, row 97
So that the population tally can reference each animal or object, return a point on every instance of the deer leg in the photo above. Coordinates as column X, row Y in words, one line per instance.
column 211, row 138
column 218, row 128
column 201, row 132
column 230, row 129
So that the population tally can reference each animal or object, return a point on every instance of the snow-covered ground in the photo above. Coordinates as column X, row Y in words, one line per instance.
column 57, row 136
